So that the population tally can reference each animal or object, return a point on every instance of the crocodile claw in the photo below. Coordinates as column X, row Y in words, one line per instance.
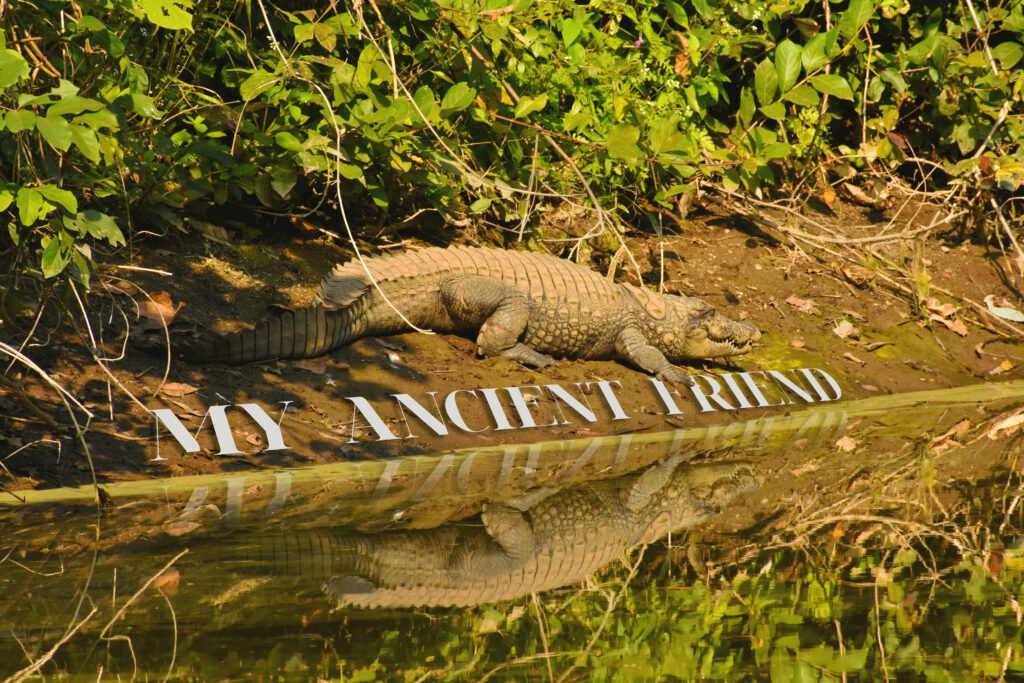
column 671, row 374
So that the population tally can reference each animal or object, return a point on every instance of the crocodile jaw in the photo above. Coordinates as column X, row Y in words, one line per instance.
column 713, row 336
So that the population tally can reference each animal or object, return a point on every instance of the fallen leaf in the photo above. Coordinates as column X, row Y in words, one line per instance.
column 797, row 343
column 168, row 582
column 855, row 315
column 803, row 469
column 850, row 356
column 844, row 329
column 856, row 275
column 828, row 196
column 159, row 307
column 805, row 305
column 937, row 307
column 958, row 326
column 1004, row 312
column 1008, row 425
column 178, row 389
column 856, row 194
column 1002, row 367
column 954, row 432
column 846, row 444
column 978, row 349
column 871, row 388
column 317, row 366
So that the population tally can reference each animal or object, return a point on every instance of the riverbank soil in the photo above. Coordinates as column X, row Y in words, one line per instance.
column 873, row 329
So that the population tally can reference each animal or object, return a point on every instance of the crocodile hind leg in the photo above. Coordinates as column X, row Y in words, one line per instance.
column 501, row 313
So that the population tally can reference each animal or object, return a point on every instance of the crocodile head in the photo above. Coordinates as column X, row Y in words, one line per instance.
column 707, row 334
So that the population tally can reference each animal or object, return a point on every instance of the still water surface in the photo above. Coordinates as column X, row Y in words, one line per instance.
column 883, row 539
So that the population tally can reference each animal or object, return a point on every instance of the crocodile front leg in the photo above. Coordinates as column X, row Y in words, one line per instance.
column 631, row 345
column 500, row 311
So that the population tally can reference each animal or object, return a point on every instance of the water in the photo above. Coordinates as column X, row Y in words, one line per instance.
column 883, row 538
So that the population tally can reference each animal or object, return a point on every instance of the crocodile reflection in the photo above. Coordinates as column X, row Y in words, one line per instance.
column 542, row 540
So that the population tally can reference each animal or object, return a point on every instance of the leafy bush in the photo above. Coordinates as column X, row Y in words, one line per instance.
column 138, row 110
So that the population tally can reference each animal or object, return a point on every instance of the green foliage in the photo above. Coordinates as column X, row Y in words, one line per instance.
column 128, row 108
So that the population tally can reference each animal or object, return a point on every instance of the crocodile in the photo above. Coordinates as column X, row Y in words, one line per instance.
column 525, row 306
column 542, row 540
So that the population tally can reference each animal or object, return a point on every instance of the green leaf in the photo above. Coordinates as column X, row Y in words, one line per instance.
column 666, row 137
column 458, row 97
column 832, row 84
column 86, row 142
column 528, row 105
column 787, row 64
column 766, row 82
column 480, row 205
column 54, row 260
column 571, row 30
column 30, row 205
column 98, row 119
column 775, row 150
column 1008, row 54
column 803, row 95
column 256, row 84
column 60, row 197
column 287, row 141
column 813, row 55
column 775, row 110
column 424, row 99
column 56, row 131
column 350, row 171
column 621, row 142
column 19, row 120
column 169, row 14
column 304, row 33
column 12, row 67
column 99, row 225
column 855, row 16
column 746, row 110
column 73, row 104
column 144, row 106
column 282, row 178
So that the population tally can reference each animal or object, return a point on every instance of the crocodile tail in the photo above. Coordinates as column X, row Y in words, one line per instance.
column 301, row 333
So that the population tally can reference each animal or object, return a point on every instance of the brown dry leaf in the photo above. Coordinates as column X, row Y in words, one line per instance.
column 797, row 343
column 978, row 349
column 946, row 440
column 159, row 305
column 317, row 366
column 178, row 389
column 682, row 65
column 854, row 314
column 1008, row 425
column 828, row 195
column 874, row 346
column 1002, row 367
column 844, row 329
column 168, row 582
column 856, row 194
column 856, row 275
column 805, row 305
column 850, row 356
column 846, row 444
column 254, row 439
column 957, row 325
column 937, row 307
column 870, row 388
column 803, row 469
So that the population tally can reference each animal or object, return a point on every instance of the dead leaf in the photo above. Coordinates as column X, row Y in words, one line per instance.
column 254, row 439
column 159, row 307
column 1008, row 425
column 938, row 308
column 954, row 432
column 317, row 366
column 870, row 388
column 978, row 349
column 1001, row 368
column 803, row 469
column 1004, row 312
column 850, row 356
column 856, row 194
column 828, row 196
column 854, row 314
column 844, row 329
column 168, row 582
column 178, row 389
column 797, row 343
column 846, row 444
column 856, row 275
column 957, row 325
column 874, row 346
column 805, row 305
